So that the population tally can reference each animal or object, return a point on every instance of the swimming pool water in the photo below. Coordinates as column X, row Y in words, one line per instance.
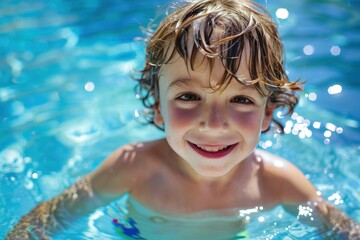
column 66, row 99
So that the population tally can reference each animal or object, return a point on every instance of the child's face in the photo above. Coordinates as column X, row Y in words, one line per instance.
column 211, row 130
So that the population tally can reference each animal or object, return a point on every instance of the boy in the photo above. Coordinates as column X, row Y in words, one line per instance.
column 213, row 77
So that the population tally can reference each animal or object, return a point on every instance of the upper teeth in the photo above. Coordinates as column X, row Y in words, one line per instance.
column 212, row 149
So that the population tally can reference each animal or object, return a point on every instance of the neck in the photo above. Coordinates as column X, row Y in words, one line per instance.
column 240, row 172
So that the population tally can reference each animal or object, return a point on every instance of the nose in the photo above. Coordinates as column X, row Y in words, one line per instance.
column 214, row 120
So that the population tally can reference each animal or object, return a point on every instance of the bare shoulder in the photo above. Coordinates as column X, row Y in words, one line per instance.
column 284, row 178
column 274, row 164
column 126, row 166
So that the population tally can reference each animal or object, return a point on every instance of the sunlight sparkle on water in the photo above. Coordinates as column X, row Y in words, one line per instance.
column 305, row 211
column 330, row 126
column 327, row 133
column 335, row 89
column 266, row 144
column 339, row 130
column 309, row 50
column 317, row 125
column 303, row 128
column 312, row 96
column 89, row 86
column 282, row 13
column 280, row 114
column 335, row 50
column 336, row 198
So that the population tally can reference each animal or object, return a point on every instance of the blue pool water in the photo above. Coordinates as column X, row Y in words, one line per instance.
column 66, row 100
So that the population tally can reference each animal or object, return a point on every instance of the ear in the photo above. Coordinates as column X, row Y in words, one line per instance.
column 158, row 118
column 268, row 117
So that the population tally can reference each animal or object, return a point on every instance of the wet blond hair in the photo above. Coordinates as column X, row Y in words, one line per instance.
column 220, row 29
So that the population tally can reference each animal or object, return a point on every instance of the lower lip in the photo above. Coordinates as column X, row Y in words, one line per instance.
column 207, row 154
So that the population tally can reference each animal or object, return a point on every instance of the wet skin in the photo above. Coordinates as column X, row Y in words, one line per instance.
column 211, row 130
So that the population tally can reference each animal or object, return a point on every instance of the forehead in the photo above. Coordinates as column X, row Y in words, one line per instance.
column 204, row 71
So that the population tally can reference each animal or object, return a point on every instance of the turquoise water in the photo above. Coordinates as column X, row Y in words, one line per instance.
column 66, row 100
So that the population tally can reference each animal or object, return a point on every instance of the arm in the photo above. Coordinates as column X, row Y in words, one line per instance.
column 329, row 220
column 116, row 176
column 53, row 215
column 316, row 211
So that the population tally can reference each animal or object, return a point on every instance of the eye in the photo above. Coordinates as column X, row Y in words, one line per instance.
column 188, row 97
column 242, row 100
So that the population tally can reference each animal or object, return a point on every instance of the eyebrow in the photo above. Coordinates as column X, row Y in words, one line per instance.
column 183, row 82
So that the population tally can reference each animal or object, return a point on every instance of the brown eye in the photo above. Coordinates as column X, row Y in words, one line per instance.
column 188, row 97
column 242, row 100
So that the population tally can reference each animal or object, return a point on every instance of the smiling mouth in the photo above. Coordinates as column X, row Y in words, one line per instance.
column 209, row 151
column 212, row 149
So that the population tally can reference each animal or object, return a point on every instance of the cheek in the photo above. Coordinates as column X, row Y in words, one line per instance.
column 179, row 118
column 248, row 121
